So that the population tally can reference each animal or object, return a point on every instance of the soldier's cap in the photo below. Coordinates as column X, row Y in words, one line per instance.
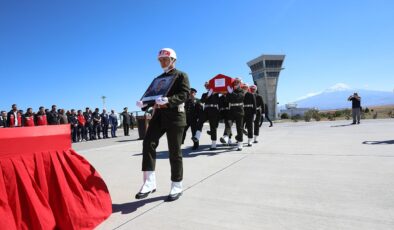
column 193, row 90
column 124, row 108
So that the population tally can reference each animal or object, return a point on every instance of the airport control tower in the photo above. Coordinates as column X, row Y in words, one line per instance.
column 265, row 73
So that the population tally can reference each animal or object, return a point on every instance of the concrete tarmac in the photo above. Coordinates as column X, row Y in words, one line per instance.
column 316, row 175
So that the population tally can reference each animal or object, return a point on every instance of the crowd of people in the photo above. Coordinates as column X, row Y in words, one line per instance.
column 85, row 126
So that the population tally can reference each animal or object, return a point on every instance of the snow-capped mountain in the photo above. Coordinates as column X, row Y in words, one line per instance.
column 336, row 97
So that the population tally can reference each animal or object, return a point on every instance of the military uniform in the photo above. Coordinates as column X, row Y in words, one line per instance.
column 250, row 111
column 236, row 102
column 259, row 111
column 211, row 114
column 193, row 110
column 225, row 115
column 170, row 119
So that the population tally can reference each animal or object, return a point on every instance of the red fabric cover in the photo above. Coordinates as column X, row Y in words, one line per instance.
column 219, row 79
column 44, row 184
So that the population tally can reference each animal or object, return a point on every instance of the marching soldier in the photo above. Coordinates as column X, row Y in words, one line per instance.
column 193, row 110
column 168, row 117
column 235, row 99
column 41, row 117
column 225, row 114
column 259, row 111
column 250, row 111
column 210, row 113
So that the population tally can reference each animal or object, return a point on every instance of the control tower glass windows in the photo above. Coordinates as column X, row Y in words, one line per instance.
column 273, row 63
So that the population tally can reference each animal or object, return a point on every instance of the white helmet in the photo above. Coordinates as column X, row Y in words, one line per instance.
column 167, row 52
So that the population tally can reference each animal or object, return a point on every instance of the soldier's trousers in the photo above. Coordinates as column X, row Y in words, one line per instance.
column 239, row 122
column 193, row 126
column 211, row 115
column 248, row 119
column 174, row 139
column 228, row 123
column 257, row 123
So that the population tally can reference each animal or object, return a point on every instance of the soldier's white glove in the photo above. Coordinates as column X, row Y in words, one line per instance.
column 229, row 89
column 162, row 100
column 210, row 92
column 140, row 104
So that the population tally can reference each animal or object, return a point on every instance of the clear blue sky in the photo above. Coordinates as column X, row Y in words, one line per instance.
column 70, row 53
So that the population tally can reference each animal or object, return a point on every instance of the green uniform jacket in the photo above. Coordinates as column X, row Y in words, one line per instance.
column 174, row 115
column 237, row 96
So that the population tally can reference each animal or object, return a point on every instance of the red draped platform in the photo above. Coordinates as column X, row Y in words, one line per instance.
column 44, row 184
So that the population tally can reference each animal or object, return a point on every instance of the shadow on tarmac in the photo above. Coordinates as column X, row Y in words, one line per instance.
column 130, row 207
column 388, row 142
column 333, row 126
column 203, row 150
column 129, row 140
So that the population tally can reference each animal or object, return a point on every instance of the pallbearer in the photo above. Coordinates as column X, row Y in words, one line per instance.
column 235, row 98
column 259, row 111
column 250, row 111
column 168, row 117
column 225, row 115
column 210, row 113
column 193, row 111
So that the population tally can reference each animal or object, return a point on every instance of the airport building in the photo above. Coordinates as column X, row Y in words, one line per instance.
column 265, row 72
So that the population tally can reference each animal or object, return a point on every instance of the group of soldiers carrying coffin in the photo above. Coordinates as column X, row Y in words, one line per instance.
column 240, row 105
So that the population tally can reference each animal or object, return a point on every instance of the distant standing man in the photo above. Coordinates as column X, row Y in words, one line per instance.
column 3, row 119
column 97, row 124
column 29, row 117
column 82, row 135
column 105, row 123
column 14, row 117
column 113, row 121
column 89, row 122
column 126, row 121
column 168, row 117
column 53, row 116
column 356, row 108
column 133, row 121
column 41, row 117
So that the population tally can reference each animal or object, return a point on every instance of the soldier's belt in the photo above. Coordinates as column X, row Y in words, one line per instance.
column 225, row 108
column 258, row 108
column 249, row 105
column 211, row 106
column 236, row 104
